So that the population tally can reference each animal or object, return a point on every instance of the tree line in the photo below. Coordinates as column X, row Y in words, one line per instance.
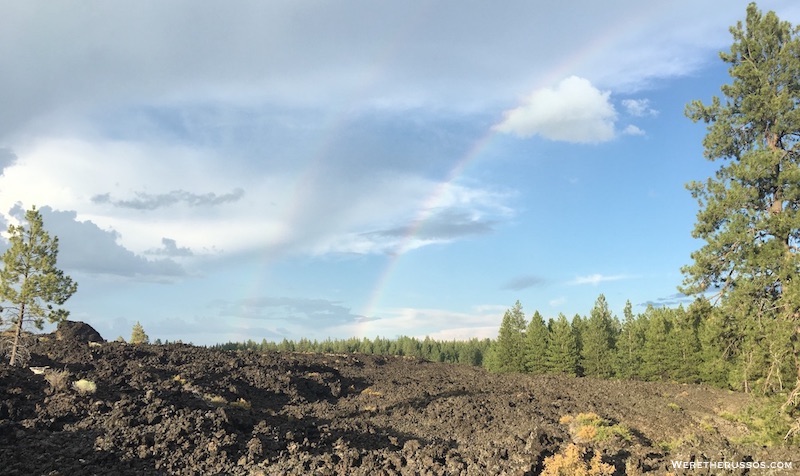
column 678, row 344
column 671, row 344
column 469, row 352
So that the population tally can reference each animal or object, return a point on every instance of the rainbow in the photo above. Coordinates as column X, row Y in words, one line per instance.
column 416, row 224
column 372, row 74
column 638, row 21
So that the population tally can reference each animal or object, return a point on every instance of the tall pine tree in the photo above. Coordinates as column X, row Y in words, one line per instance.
column 562, row 347
column 598, row 341
column 536, row 338
column 749, row 212
column 629, row 344
column 30, row 282
column 507, row 354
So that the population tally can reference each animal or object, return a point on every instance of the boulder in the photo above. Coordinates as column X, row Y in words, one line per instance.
column 77, row 331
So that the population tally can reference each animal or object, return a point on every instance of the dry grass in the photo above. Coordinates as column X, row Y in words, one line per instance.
column 370, row 392
column 216, row 400
column 58, row 380
column 571, row 462
column 241, row 403
column 84, row 387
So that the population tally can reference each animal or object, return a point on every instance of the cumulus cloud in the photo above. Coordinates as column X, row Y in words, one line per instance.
column 85, row 247
column 573, row 111
column 632, row 130
column 639, row 107
column 595, row 279
column 524, row 282
column 299, row 201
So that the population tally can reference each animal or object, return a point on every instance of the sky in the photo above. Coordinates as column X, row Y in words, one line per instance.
column 224, row 171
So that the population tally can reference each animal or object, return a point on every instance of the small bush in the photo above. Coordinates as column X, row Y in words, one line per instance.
column 586, row 433
column 84, row 387
column 571, row 461
column 242, row 403
column 587, row 427
column 138, row 336
column 216, row 400
column 57, row 379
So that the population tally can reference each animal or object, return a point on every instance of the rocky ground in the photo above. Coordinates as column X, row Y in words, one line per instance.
column 179, row 409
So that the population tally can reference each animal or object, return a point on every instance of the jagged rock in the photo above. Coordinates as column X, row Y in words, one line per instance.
column 77, row 331
column 184, row 410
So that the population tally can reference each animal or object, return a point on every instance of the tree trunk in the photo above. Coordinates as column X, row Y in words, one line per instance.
column 17, row 335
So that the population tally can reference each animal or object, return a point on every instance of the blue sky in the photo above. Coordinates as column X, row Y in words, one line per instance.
column 308, row 169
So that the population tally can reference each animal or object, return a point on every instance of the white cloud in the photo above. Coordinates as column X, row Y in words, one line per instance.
column 631, row 130
column 479, row 322
column 573, row 111
column 557, row 301
column 84, row 247
column 595, row 279
column 639, row 107
column 98, row 55
column 208, row 202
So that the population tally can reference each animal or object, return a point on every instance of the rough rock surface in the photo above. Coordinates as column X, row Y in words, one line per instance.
column 77, row 332
column 178, row 409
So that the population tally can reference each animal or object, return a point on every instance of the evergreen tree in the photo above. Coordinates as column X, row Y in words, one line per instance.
column 138, row 336
column 30, row 280
column 536, row 338
column 629, row 344
column 685, row 346
column 562, row 347
column 750, row 211
column 578, row 325
column 657, row 358
column 508, row 350
column 598, row 341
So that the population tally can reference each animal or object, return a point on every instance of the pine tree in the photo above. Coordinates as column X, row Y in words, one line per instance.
column 598, row 341
column 750, row 211
column 138, row 336
column 562, row 347
column 508, row 350
column 536, row 338
column 685, row 346
column 578, row 325
column 658, row 360
column 30, row 280
column 629, row 344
